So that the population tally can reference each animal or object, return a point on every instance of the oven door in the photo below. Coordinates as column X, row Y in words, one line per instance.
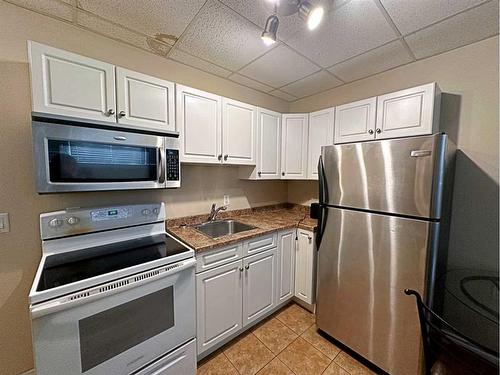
column 116, row 328
column 76, row 158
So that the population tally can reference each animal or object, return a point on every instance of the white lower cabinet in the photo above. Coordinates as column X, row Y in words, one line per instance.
column 286, row 265
column 259, row 285
column 232, row 294
column 305, row 267
column 218, row 304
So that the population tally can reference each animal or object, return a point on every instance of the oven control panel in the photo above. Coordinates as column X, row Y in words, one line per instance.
column 74, row 221
column 111, row 214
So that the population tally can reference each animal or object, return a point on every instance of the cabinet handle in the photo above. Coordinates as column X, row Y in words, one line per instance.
column 379, row 130
column 225, row 157
column 260, row 174
column 219, row 157
column 247, row 267
column 370, row 131
column 241, row 269
column 282, row 173
column 110, row 112
column 121, row 114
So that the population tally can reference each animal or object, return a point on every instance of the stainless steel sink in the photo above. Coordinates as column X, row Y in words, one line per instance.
column 215, row 229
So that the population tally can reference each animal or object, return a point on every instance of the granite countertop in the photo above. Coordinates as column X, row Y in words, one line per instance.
column 266, row 219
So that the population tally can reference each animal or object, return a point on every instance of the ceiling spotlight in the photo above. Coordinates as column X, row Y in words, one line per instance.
column 269, row 33
column 312, row 14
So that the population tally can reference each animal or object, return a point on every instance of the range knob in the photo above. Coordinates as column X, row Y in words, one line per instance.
column 146, row 212
column 73, row 220
column 55, row 223
column 156, row 211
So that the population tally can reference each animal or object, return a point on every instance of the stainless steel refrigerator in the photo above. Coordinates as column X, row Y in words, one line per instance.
column 382, row 227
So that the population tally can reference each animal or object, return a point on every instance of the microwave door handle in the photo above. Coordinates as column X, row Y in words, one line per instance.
column 161, row 165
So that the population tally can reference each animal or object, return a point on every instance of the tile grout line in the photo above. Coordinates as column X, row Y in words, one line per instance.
column 231, row 363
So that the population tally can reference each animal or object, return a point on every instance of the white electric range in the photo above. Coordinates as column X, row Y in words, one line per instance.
column 113, row 294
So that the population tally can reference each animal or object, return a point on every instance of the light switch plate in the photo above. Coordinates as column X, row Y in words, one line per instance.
column 226, row 200
column 4, row 222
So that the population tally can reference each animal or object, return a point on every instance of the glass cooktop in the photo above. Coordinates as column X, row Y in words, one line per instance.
column 67, row 268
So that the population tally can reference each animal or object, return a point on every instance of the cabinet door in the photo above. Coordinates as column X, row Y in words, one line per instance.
column 259, row 285
column 408, row 112
column 67, row 84
column 144, row 101
column 286, row 265
column 320, row 134
column 218, row 304
column 199, row 124
column 239, row 130
column 305, row 267
column 355, row 122
column 294, row 146
column 269, row 145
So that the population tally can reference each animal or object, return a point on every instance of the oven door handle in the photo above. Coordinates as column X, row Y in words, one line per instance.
column 161, row 165
column 108, row 289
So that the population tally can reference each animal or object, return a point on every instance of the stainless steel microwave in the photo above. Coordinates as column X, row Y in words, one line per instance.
column 71, row 157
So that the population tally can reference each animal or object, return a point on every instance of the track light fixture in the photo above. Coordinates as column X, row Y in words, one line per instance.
column 312, row 14
column 269, row 33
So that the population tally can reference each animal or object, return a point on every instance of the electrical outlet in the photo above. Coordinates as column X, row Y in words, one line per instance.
column 4, row 223
column 226, row 200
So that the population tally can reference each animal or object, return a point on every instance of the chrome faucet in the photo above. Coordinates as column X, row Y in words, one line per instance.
column 214, row 211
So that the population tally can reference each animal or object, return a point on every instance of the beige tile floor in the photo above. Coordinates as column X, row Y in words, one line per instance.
column 287, row 343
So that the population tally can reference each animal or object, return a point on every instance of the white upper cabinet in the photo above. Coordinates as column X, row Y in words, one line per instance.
column 200, row 125
column 320, row 134
column 64, row 83
column 239, row 131
column 269, row 145
column 294, row 146
column 268, row 163
column 67, row 84
column 355, row 121
column 144, row 101
column 413, row 111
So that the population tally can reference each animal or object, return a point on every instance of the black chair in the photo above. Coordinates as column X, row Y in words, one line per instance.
column 448, row 351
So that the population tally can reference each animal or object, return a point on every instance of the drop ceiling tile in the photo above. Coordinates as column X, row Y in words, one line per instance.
column 460, row 30
column 411, row 15
column 51, row 8
column 375, row 61
column 220, row 35
column 152, row 17
column 279, row 66
column 283, row 95
column 195, row 62
column 250, row 83
column 258, row 11
column 313, row 84
column 111, row 30
column 354, row 28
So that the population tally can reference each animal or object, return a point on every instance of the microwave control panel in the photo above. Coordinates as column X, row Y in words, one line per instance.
column 173, row 168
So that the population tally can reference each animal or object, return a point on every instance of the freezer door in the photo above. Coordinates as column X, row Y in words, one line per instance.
column 365, row 262
column 403, row 176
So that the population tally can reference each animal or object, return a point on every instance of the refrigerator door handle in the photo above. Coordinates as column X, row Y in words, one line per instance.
column 323, row 198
